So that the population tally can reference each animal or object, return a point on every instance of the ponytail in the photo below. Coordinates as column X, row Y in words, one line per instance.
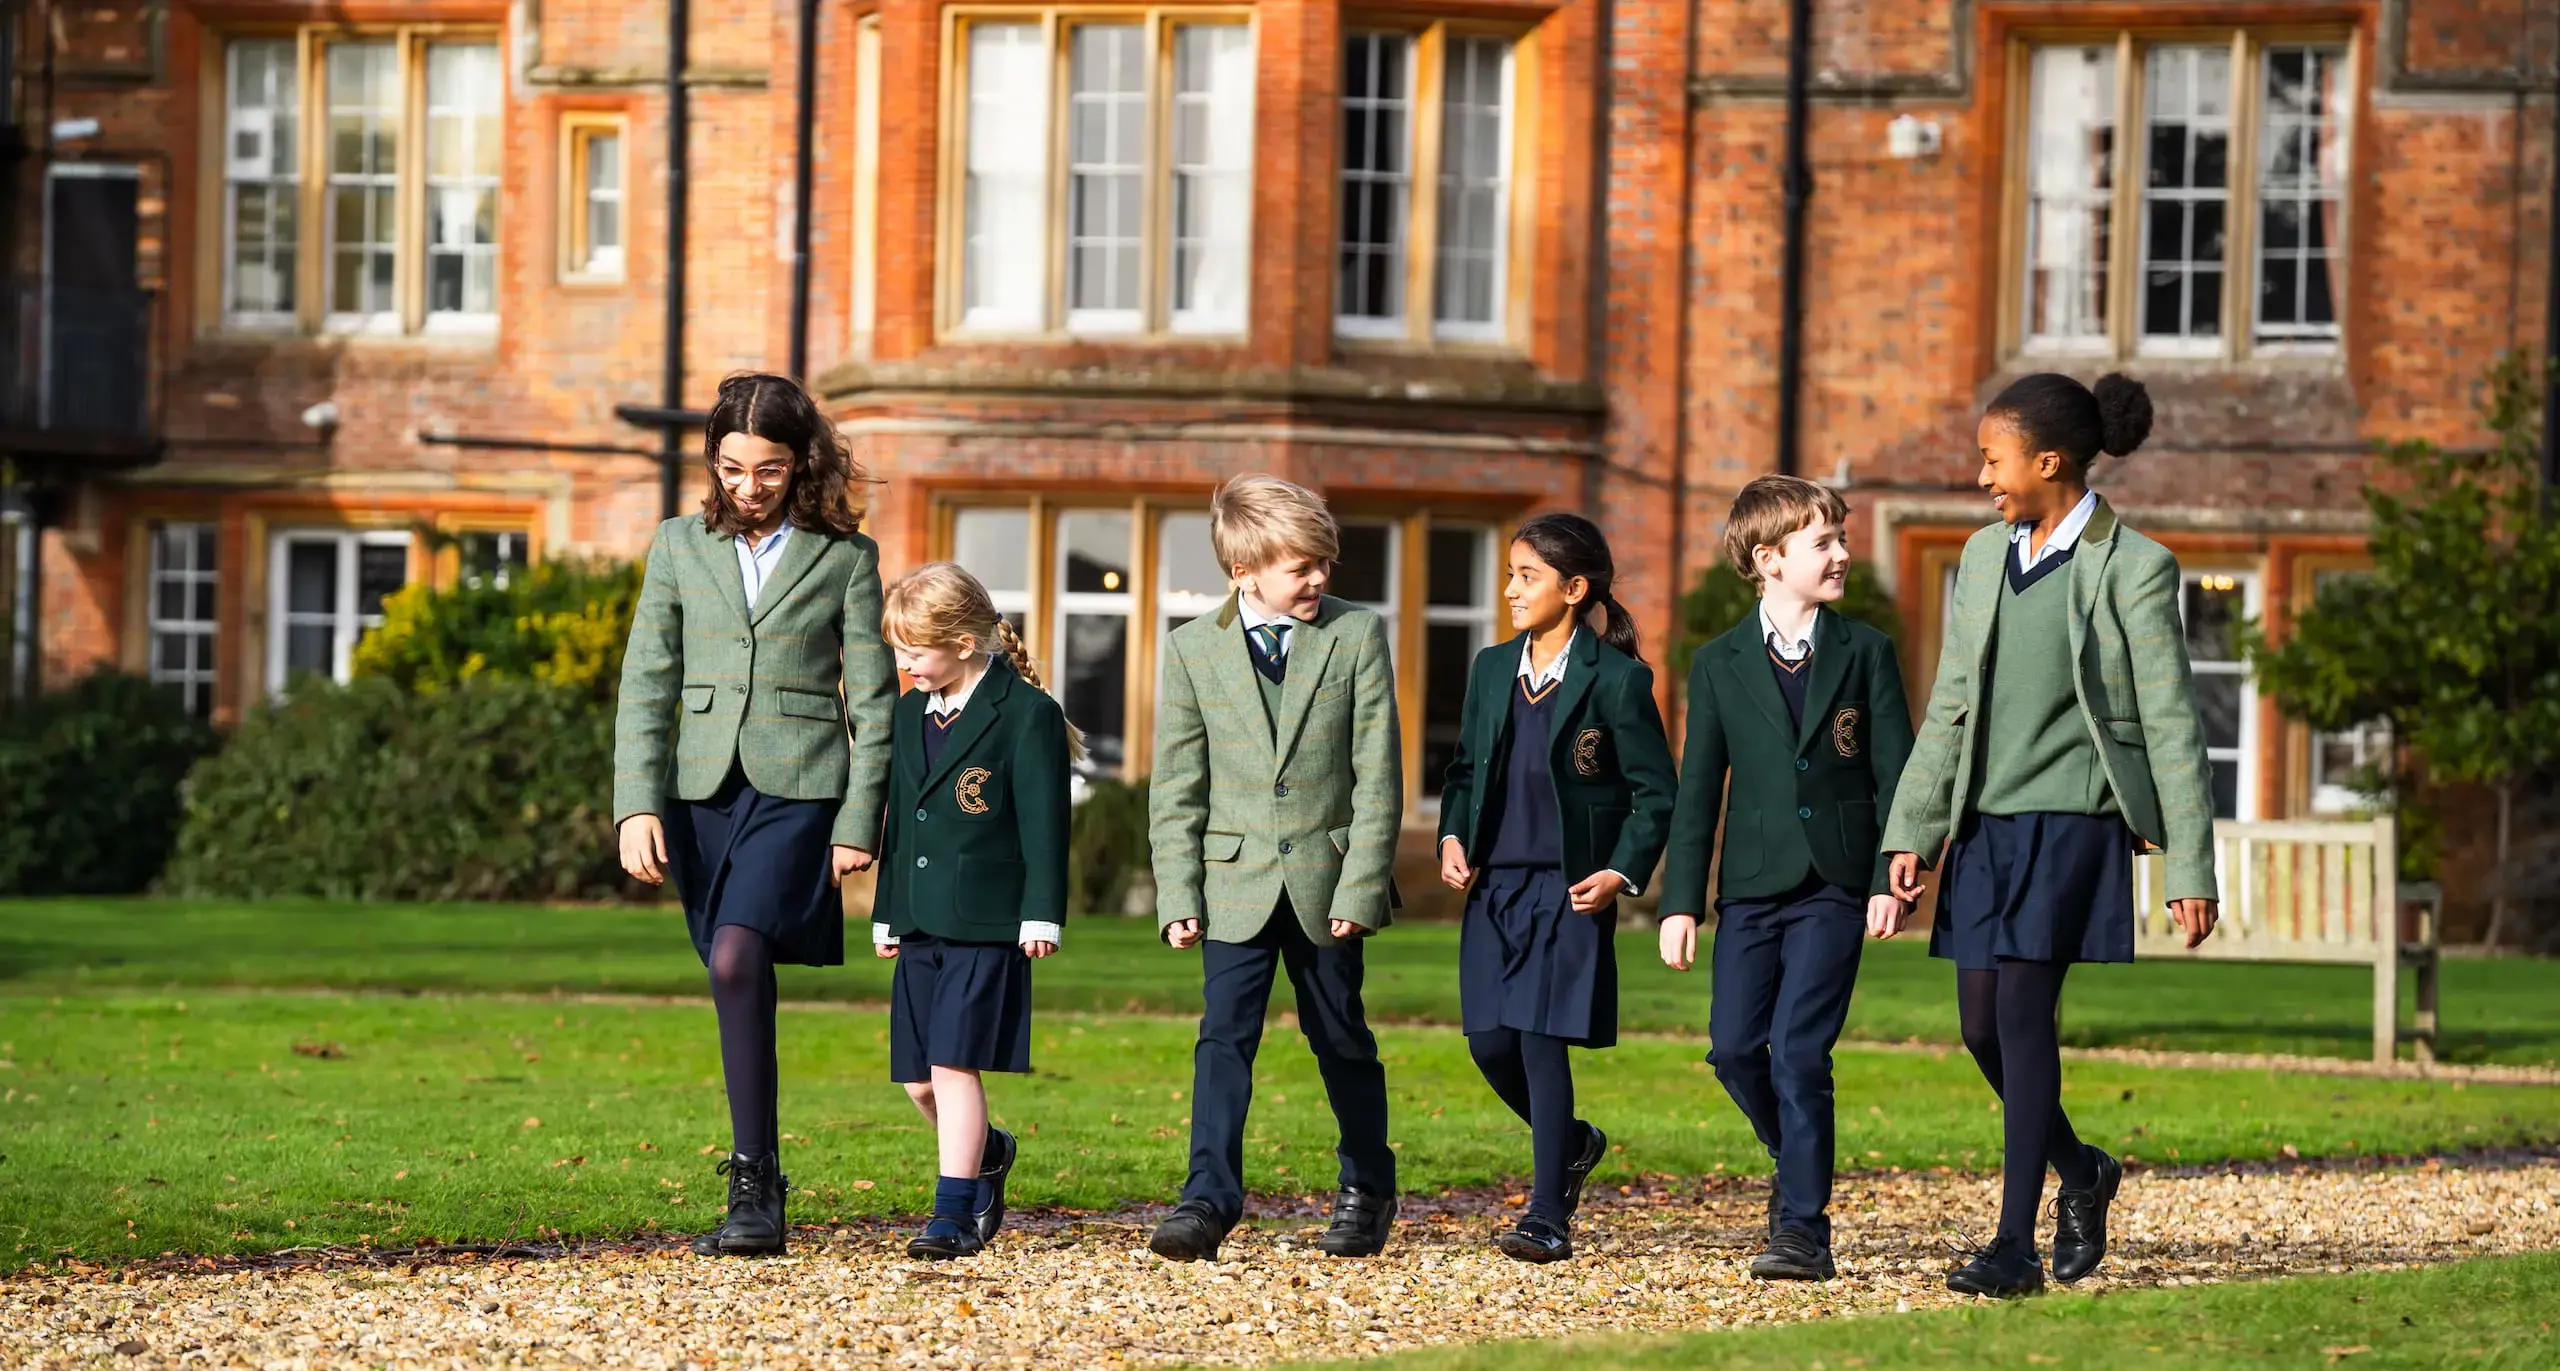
column 1618, row 627
column 1573, row 546
column 1029, row 670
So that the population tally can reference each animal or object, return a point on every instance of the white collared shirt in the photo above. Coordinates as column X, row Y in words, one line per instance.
column 1789, row 652
column 946, row 704
column 1254, row 618
column 2064, row 536
column 1539, row 678
column 756, row 561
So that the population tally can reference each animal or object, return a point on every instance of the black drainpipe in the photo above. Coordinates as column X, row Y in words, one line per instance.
column 670, row 451
column 805, row 112
column 2551, row 316
column 1799, row 188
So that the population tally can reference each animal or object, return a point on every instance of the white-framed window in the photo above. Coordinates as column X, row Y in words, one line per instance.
column 491, row 558
column 1369, row 568
column 2339, row 759
column 591, row 199
column 1462, row 614
column 2213, row 604
column 183, row 578
column 325, row 591
column 2211, row 225
column 1144, row 226
column 994, row 543
column 1430, row 110
column 1089, row 638
column 261, row 181
column 401, row 131
column 1189, row 581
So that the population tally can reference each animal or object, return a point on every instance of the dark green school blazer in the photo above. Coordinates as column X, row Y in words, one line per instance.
column 1606, row 751
column 977, row 846
column 1806, row 797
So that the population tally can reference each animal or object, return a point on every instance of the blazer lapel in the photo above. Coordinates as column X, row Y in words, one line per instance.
column 910, row 743
column 1830, row 667
column 800, row 552
column 1751, row 664
column 975, row 719
column 720, row 558
column 1585, row 652
column 1232, row 663
column 2088, row 572
column 1310, row 647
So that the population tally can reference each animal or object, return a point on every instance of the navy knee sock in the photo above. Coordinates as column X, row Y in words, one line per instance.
column 955, row 1198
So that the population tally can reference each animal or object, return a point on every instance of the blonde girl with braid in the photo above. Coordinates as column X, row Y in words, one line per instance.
column 973, row 878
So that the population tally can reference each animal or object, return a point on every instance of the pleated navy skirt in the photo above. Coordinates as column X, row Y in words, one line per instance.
column 1527, row 962
column 2036, row 888
column 744, row 857
column 960, row 1004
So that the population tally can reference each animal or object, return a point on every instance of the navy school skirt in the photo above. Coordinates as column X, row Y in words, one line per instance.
column 744, row 857
column 2036, row 888
column 960, row 1004
column 1527, row 962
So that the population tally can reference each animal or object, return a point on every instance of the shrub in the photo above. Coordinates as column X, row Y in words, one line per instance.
column 1107, row 848
column 90, row 777
column 560, row 623
column 483, row 788
column 1721, row 597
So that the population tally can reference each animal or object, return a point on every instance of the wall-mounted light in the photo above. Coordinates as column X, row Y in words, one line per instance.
column 1908, row 137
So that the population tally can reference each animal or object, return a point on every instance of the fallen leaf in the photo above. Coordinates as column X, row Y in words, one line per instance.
column 571, row 1161
column 862, row 1185
column 324, row 1051
column 532, row 1122
column 2334, row 1353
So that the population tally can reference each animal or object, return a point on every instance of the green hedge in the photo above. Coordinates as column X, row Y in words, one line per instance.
column 1721, row 598
column 89, row 785
column 561, row 623
column 1107, row 848
column 490, row 789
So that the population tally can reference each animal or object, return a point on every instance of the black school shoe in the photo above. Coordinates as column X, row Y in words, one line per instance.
column 992, row 1170
column 1595, row 1146
column 1361, row 1223
column 2004, row 1270
column 1189, row 1234
column 943, row 1240
column 1535, row 1240
column 1793, row 1255
column 2080, row 1221
column 754, row 1226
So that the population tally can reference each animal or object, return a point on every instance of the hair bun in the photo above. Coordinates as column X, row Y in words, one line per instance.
column 2124, row 413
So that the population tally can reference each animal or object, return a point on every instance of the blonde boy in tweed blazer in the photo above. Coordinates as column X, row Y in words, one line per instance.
column 1277, row 796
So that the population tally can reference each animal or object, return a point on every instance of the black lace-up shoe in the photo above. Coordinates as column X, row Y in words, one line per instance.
column 2080, row 1221
column 2004, row 1271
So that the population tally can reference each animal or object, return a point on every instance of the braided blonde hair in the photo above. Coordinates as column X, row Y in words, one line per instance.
column 940, row 603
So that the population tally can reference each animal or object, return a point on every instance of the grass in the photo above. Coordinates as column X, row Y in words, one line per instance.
column 2493, row 1313
column 2495, row 1010
column 197, row 1120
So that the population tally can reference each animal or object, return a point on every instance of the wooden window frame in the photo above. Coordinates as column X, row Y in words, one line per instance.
column 1155, row 248
column 311, row 314
column 863, row 305
column 1421, row 331
column 2237, row 342
column 578, row 131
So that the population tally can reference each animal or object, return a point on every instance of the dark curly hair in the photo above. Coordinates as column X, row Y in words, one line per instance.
column 2055, row 413
column 826, row 483
column 1574, row 546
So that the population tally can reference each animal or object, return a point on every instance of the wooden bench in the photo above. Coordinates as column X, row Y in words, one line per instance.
column 2313, row 891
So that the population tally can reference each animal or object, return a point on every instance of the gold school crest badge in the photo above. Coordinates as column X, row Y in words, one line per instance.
column 1844, row 733
column 1586, row 753
column 969, row 790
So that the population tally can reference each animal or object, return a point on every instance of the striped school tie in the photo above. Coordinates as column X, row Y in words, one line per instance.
column 1271, row 639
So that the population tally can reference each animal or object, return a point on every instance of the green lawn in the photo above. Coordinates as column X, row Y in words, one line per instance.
column 189, row 1121
column 2496, row 1313
column 2495, row 1011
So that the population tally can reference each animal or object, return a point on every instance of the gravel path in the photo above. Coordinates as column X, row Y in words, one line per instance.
column 1070, row 1290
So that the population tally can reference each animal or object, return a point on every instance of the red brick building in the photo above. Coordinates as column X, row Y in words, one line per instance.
column 1071, row 265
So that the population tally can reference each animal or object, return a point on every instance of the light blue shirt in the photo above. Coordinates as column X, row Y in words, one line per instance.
column 756, row 562
column 1789, row 650
column 2064, row 535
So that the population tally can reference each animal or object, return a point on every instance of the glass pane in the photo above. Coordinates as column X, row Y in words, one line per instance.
column 2301, row 174
column 1192, row 583
column 2218, row 704
column 1107, row 120
column 1094, row 671
column 2215, row 605
column 1456, row 573
column 201, row 606
column 311, row 578
column 1449, row 652
column 1093, row 551
column 1365, row 572
column 1212, row 176
column 310, row 648
column 604, row 162
column 380, row 569
column 169, row 652
column 1005, row 210
column 2070, row 182
column 2226, row 789
column 1376, row 176
column 263, row 155
column 169, row 599
column 995, row 545
column 1475, row 198
column 2186, row 137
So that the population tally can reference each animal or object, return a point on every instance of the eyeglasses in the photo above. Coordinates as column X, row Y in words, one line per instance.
column 767, row 477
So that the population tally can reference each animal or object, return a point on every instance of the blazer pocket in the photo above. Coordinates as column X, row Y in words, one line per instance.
column 990, row 884
column 697, row 698
column 1607, row 822
column 1341, row 839
column 1858, row 828
column 1221, row 847
column 808, row 704
column 1741, row 843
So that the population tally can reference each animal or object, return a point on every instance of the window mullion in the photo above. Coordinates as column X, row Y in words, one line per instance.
column 1422, row 217
column 2124, row 247
column 1156, row 186
column 1056, row 35
column 2239, row 228
column 312, row 268
column 408, row 233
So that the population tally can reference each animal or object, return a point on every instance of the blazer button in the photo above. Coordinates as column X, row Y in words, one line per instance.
column 920, row 861
column 1801, row 812
column 1803, row 765
column 1281, row 789
column 737, row 690
column 1284, row 847
column 919, row 816
column 746, row 642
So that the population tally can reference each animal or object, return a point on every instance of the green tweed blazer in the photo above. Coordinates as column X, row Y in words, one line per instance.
column 2129, row 669
column 1805, row 797
column 798, row 693
column 1244, row 804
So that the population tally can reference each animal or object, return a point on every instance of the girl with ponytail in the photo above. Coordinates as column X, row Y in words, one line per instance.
column 973, row 878
column 1558, row 800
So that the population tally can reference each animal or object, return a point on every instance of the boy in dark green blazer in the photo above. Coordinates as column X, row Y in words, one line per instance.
column 1805, row 710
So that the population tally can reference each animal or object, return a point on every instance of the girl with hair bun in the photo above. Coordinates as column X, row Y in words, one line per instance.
column 2061, row 737
column 973, row 879
column 1558, row 801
